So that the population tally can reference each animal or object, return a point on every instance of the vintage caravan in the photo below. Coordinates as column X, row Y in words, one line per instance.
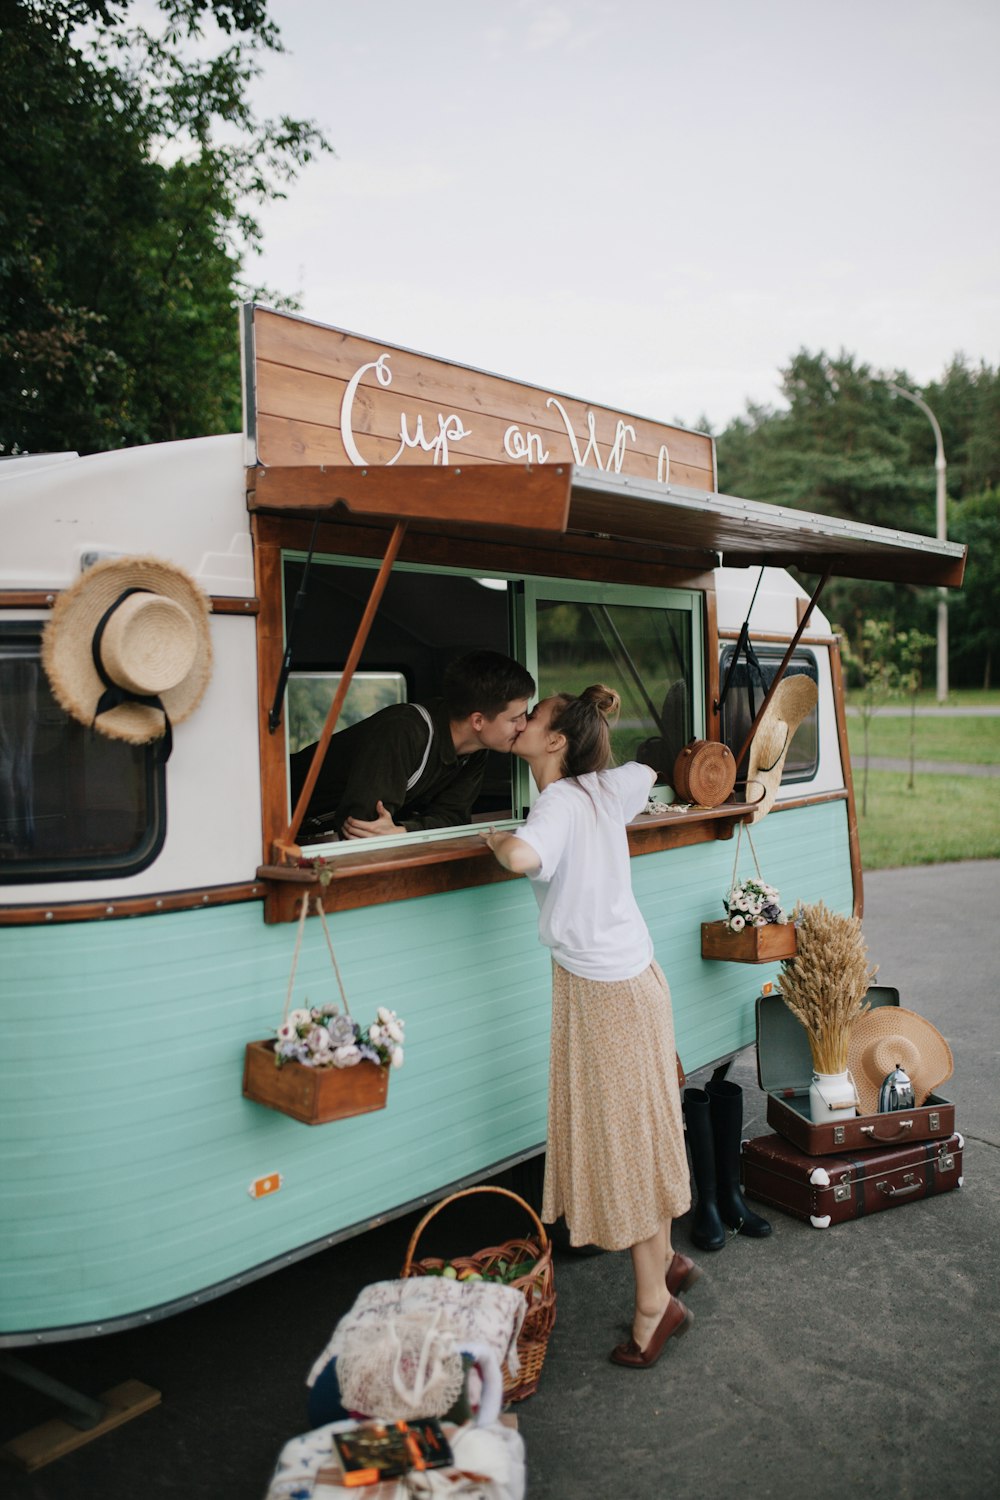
column 382, row 513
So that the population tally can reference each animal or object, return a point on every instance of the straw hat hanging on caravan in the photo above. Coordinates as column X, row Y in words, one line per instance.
column 794, row 697
column 127, row 649
column 888, row 1037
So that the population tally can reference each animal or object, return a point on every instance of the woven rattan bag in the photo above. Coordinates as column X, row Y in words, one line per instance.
column 705, row 773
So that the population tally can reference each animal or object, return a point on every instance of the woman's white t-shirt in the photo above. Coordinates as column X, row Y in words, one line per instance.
column 588, row 915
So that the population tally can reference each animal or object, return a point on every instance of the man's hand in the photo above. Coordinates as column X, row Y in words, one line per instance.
column 358, row 828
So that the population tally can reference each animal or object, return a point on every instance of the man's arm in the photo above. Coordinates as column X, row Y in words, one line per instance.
column 375, row 800
column 383, row 758
column 450, row 804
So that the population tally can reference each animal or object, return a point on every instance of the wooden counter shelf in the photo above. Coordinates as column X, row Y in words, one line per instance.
column 371, row 876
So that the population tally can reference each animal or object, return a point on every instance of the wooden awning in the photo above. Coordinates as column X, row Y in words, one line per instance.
column 555, row 500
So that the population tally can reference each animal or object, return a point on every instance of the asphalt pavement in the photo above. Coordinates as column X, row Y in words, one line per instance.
column 927, row 767
column 857, row 1359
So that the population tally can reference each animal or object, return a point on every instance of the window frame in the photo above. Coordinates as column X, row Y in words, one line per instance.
column 93, row 866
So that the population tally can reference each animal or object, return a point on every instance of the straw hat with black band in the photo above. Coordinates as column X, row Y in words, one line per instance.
column 888, row 1037
column 794, row 698
column 127, row 649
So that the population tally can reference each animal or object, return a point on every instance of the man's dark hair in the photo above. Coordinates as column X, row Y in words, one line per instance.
column 484, row 682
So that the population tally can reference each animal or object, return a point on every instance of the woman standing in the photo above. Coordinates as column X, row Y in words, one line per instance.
column 616, row 1166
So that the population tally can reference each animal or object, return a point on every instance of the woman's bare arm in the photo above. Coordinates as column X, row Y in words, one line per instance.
column 513, row 853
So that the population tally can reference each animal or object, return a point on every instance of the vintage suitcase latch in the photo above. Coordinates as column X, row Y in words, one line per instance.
column 946, row 1161
column 934, row 1120
column 841, row 1192
column 839, row 1135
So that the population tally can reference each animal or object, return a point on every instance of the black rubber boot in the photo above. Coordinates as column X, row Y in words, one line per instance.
column 707, row 1229
column 726, row 1100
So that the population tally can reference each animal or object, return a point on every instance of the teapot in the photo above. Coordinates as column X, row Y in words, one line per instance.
column 896, row 1091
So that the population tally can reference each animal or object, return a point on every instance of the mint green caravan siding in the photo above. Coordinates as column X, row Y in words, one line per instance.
column 805, row 853
column 129, row 1148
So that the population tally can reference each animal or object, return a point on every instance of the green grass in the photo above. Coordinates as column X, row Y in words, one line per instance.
column 944, row 818
column 975, row 741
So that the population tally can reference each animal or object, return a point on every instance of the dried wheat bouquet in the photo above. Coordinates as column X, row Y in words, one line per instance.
column 825, row 984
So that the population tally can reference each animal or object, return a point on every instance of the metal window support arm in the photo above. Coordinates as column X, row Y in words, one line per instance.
column 800, row 628
column 285, row 844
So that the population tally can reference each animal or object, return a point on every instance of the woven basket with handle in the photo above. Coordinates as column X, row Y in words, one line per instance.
column 537, row 1284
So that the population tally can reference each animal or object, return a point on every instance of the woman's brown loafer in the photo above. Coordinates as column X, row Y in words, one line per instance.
column 681, row 1274
column 676, row 1320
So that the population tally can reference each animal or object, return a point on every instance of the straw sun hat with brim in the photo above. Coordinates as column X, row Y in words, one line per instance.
column 127, row 649
column 889, row 1037
column 793, row 699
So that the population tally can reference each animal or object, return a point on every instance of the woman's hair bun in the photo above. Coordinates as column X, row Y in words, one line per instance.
column 604, row 699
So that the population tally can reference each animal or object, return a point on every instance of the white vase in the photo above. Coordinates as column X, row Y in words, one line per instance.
column 832, row 1098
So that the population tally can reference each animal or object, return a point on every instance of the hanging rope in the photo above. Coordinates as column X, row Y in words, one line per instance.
column 336, row 967
column 736, row 861
column 295, row 955
column 298, row 949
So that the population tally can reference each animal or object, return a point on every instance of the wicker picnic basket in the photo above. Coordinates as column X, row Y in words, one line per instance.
column 537, row 1284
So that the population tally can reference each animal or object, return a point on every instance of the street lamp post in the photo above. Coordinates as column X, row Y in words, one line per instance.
column 941, row 469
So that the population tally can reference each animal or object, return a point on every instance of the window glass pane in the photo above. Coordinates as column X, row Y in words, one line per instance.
column 802, row 761
column 642, row 651
column 311, row 693
column 72, row 802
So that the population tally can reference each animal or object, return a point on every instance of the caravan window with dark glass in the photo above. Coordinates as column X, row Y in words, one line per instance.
column 746, row 693
column 73, row 803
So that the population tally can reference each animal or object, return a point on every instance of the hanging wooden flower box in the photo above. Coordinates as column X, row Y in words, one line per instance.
column 754, row 945
column 313, row 1095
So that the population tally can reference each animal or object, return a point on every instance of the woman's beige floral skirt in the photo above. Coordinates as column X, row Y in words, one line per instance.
column 616, row 1164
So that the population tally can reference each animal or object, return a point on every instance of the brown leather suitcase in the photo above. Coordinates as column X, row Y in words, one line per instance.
column 825, row 1190
column 784, row 1068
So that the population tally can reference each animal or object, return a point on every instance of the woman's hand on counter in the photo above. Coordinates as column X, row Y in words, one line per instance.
column 513, row 853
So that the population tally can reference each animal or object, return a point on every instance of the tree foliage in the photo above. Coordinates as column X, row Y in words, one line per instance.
column 132, row 164
column 845, row 446
column 974, row 615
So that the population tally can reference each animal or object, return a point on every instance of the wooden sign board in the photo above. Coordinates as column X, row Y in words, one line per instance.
column 318, row 396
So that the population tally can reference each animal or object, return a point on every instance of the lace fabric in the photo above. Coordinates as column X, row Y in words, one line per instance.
column 411, row 1368
column 398, row 1350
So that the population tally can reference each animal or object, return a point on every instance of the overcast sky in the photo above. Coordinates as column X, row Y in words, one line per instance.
column 645, row 203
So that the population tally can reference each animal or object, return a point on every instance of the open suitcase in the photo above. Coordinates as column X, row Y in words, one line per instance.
column 825, row 1190
column 784, row 1068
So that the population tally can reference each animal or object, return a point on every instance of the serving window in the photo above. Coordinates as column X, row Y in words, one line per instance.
column 644, row 642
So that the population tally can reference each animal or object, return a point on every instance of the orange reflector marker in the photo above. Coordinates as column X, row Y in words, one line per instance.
column 262, row 1187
